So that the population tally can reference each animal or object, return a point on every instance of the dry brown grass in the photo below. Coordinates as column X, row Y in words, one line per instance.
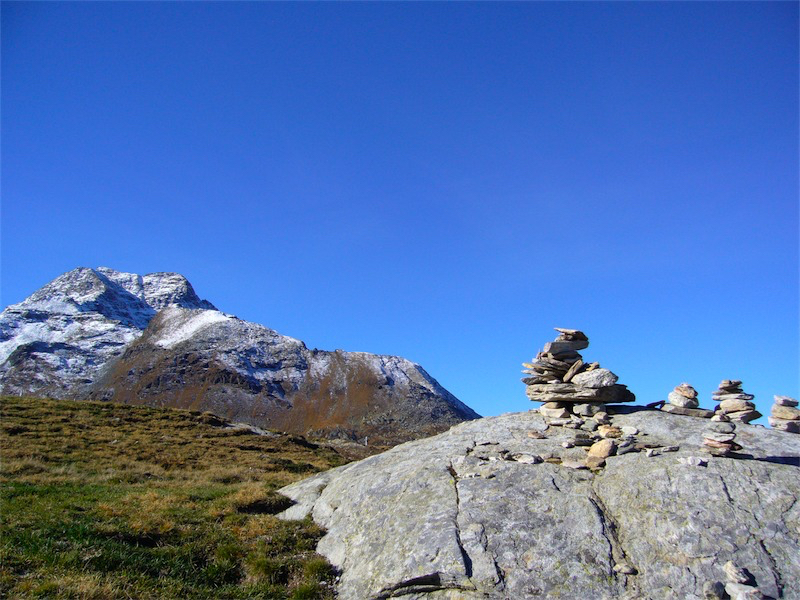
column 111, row 501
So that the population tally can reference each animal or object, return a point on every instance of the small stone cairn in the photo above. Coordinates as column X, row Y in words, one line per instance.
column 683, row 401
column 734, row 402
column 566, row 385
column 719, row 436
column 785, row 416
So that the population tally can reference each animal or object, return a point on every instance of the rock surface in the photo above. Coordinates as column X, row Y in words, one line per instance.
column 106, row 335
column 456, row 516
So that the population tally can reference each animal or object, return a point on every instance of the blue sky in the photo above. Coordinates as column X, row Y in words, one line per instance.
column 442, row 181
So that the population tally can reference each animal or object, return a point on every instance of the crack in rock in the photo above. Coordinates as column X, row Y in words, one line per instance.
column 480, row 564
column 610, row 528
column 776, row 574
column 464, row 554
column 424, row 584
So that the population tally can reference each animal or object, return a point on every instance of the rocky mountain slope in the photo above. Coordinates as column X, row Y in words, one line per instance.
column 55, row 341
column 504, row 507
column 102, row 334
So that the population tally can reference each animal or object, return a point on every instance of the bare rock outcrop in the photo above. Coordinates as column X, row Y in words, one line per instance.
column 505, row 507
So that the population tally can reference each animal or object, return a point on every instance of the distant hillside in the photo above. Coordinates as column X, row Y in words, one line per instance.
column 105, row 335
column 102, row 500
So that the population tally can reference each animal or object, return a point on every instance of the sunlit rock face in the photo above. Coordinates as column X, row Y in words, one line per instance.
column 514, row 507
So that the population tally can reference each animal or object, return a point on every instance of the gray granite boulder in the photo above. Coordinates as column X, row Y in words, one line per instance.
column 596, row 378
column 460, row 515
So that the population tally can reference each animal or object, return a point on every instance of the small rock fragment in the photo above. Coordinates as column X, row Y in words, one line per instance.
column 737, row 574
column 603, row 448
column 626, row 446
column 527, row 459
column 589, row 425
column 677, row 399
column 788, row 413
column 595, row 462
column 573, row 464
column 602, row 418
column 689, row 412
column 686, row 390
column 785, row 401
column 721, row 427
column 609, row 431
column 554, row 413
column 587, row 410
column 713, row 590
column 596, row 378
column 740, row 591
column 783, row 425
column 624, row 568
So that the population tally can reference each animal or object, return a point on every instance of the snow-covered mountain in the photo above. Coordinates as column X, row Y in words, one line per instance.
column 103, row 334
column 55, row 341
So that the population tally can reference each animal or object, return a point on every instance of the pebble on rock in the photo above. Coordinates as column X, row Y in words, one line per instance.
column 689, row 412
column 736, row 574
column 677, row 399
column 603, row 448
column 609, row 431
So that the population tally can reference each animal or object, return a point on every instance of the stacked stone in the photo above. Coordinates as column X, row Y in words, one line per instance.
column 785, row 416
column 719, row 436
column 683, row 401
column 734, row 402
column 740, row 584
column 566, row 385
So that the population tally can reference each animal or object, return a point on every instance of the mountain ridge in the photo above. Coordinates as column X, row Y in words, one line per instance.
column 107, row 335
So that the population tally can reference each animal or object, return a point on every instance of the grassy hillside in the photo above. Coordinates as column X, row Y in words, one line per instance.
column 104, row 500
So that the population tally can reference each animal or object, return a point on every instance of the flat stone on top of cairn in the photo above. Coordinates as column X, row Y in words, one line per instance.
column 785, row 416
column 683, row 401
column 734, row 402
column 559, row 378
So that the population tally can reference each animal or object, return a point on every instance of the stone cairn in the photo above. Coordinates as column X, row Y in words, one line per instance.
column 719, row 436
column 734, row 402
column 683, row 401
column 566, row 385
column 785, row 416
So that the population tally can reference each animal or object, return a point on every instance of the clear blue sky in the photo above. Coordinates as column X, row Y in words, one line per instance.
column 442, row 181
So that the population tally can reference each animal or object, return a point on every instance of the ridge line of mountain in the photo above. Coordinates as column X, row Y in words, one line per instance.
column 108, row 335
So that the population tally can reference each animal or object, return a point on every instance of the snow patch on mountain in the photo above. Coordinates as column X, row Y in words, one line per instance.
column 183, row 324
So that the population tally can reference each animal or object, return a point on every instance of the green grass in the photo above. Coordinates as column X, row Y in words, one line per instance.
column 110, row 501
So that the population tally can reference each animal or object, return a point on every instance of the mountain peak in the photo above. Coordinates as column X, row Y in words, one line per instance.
column 128, row 298
column 111, row 335
column 56, row 340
